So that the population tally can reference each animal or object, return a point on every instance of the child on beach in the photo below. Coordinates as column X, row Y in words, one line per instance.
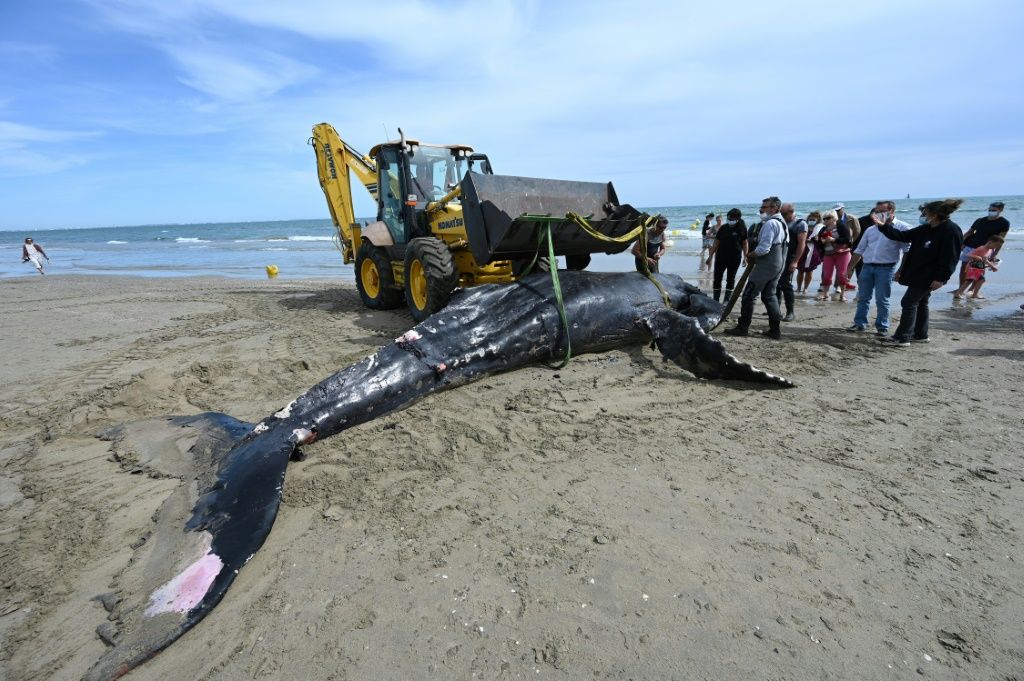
column 978, row 261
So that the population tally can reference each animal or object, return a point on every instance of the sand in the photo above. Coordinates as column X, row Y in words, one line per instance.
column 616, row 519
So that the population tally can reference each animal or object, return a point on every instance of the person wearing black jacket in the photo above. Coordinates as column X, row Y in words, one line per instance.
column 728, row 250
column 932, row 259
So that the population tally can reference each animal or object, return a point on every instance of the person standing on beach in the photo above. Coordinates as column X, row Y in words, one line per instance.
column 812, row 254
column 797, row 241
column 852, row 225
column 728, row 250
column 768, row 259
column 935, row 247
column 706, row 239
column 879, row 255
column 993, row 224
column 835, row 241
column 31, row 252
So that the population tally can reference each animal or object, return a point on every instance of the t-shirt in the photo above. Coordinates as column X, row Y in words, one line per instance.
column 730, row 240
column 654, row 242
column 984, row 229
column 796, row 228
column 978, row 256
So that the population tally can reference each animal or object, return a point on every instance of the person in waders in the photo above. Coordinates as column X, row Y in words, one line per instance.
column 768, row 259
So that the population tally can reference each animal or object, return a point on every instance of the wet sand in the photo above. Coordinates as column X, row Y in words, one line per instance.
column 615, row 519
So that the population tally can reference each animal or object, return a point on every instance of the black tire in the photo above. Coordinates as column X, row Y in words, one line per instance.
column 375, row 279
column 577, row 262
column 429, row 258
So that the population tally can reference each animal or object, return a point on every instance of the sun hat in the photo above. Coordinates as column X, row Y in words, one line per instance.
column 838, row 206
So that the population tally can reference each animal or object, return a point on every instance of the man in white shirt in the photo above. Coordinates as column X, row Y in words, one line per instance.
column 768, row 259
column 881, row 255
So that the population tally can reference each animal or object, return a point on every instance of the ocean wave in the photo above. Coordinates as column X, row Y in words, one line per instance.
column 310, row 238
column 274, row 249
column 115, row 241
column 191, row 240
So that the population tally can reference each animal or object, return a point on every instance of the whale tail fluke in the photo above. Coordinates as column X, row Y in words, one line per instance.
column 203, row 531
column 682, row 340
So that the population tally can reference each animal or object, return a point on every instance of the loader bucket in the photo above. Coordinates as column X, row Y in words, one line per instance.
column 505, row 214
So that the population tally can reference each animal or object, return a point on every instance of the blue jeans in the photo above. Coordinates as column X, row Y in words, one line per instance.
column 874, row 280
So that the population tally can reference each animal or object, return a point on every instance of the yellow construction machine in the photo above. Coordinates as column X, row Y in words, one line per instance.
column 445, row 220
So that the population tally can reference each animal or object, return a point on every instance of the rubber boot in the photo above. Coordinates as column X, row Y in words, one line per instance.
column 773, row 331
column 738, row 330
column 789, row 316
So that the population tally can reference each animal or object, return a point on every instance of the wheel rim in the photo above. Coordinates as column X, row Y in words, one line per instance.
column 418, row 285
column 370, row 277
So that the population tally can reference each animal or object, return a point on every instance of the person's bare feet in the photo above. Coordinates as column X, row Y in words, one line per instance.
column 977, row 296
column 958, row 294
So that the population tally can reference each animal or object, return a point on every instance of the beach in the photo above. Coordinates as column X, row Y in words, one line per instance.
column 613, row 519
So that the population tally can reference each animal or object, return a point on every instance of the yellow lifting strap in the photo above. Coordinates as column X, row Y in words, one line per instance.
column 638, row 231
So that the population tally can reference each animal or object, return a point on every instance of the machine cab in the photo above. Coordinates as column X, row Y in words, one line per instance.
column 411, row 175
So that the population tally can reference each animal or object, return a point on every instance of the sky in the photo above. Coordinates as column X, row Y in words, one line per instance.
column 128, row 112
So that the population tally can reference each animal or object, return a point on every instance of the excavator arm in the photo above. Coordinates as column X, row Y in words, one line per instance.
column 334, row 158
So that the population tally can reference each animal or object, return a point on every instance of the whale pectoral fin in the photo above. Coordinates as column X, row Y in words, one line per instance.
column 682, row 340
column 183, row 566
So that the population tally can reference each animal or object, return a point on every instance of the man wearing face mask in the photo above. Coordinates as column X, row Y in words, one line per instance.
column 797, row 240
column 727, row 251
column 879, row 256
column 983, row 229
column 768, row 260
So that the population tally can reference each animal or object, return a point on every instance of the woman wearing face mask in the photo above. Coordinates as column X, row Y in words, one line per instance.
column 728, row 250
column 835, row 238
column 934, row 252
column 812, row 254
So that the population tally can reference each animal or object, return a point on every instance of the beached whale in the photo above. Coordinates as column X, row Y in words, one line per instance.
column 232, row 472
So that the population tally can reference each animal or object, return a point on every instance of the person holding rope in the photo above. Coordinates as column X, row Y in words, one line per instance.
column 655, row 247
column 768, row 259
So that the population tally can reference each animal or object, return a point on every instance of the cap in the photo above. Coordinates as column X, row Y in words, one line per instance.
column 997, row 204
column 838, row 206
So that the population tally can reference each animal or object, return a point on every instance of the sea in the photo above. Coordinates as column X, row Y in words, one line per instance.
column 305, row 249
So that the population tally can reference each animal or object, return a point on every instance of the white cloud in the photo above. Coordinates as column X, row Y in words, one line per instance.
column 28, row 150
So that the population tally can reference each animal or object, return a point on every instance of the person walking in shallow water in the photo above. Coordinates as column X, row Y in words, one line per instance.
column 33, row 252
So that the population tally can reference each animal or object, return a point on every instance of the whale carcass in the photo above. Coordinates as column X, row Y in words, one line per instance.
column 232, row 472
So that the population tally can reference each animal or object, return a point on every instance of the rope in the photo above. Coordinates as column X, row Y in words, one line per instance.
column 553, row 266
column 638, row 231
column 542, row 235
column 647, row 269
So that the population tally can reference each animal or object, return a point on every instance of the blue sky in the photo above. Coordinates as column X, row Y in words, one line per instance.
column 123, row 112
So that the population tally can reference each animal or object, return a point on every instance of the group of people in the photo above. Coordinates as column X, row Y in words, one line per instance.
column 878, row 248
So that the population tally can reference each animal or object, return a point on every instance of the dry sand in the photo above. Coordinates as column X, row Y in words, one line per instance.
column 617, row 519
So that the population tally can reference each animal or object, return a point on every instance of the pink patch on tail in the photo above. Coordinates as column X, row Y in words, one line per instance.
column 186, row 590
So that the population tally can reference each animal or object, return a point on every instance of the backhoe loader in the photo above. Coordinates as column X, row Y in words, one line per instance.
column 445, row 220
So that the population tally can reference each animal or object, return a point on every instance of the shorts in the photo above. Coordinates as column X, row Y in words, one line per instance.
column 965, row 254
column 975, row 274
column 708, row 243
